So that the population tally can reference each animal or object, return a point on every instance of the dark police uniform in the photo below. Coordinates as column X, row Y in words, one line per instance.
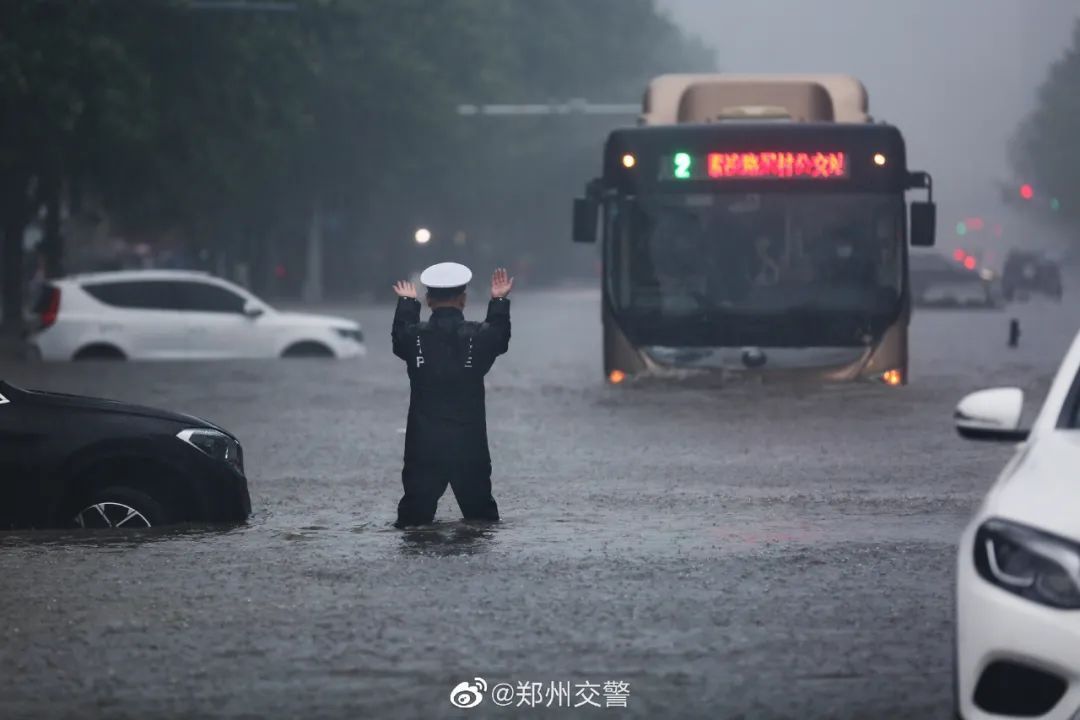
column 446, row 436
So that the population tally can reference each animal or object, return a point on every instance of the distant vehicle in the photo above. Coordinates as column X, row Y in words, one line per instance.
column 177, row 315
column 68, row 461
column 1029, row 272
column 756, row 225
column 939, row 281
column 1018, row 569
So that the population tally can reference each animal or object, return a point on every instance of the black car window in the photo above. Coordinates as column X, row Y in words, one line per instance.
column 204, row 297
column 135, row 294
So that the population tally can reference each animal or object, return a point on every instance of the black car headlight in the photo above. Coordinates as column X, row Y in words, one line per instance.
column 1030, row 563
column 350, row 334
column 216, row 444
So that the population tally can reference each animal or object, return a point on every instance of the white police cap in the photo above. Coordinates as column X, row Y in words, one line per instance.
column 446, row 275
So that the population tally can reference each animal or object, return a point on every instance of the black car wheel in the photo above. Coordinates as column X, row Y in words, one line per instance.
column 119, row 507
column 308, row 350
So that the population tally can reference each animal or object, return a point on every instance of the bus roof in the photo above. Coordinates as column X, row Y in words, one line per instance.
column 705, row 97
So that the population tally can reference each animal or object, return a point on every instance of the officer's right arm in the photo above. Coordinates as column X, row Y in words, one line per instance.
column 406, row 322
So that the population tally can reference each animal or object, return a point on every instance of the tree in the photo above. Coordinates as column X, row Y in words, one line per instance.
column 233, row 128
column 1046, row 149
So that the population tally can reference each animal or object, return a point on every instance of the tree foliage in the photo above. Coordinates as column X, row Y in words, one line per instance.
column 229, row 127
column 1046, row 150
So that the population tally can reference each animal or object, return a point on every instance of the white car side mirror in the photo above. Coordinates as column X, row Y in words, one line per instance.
column 992, row 414
column 252, row 309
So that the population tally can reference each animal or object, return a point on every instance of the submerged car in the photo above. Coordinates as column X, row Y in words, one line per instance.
column 1026, row 273
column 938, row 281
column 177, row 315
column 68, row 461
column 1018, row 569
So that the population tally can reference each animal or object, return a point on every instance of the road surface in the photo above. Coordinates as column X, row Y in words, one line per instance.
column 738, row 552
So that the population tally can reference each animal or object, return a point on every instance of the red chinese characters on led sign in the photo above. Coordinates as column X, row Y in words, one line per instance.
column 819, row 165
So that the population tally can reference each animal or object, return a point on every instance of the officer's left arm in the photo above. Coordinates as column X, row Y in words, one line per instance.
column 406, row 322
column 494, row 332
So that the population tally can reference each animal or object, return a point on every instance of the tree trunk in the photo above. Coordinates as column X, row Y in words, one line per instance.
column 12, row 281
column 313, row 279
column 52, row 244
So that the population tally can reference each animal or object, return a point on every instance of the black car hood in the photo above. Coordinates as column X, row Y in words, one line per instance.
column 82, row 402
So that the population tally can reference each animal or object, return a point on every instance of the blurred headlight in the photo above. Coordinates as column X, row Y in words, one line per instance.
column 350, row 334
column 216, row 444
column 1035, row 565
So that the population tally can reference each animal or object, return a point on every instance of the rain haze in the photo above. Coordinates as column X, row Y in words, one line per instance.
column 269, row 447
column 957, row 76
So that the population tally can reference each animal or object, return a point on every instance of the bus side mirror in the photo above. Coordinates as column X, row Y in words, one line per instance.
column 585, row 210
column 923, row 223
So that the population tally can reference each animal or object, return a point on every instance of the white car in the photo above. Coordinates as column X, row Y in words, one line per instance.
column 1018, row 571
column 177, row 315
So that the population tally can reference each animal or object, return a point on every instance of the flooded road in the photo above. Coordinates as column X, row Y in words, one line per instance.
column 745, row 552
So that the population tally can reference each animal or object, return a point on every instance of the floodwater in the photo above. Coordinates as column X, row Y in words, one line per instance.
column 737, row 552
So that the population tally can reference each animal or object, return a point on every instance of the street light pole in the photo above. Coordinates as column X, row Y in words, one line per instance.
column 577, row 106
column 242, row 5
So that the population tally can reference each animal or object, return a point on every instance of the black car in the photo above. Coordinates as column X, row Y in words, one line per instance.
column 1030, row 272
column 68, row 461
column 939, row 281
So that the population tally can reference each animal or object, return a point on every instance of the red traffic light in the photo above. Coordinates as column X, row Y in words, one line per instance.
column 1027, row 192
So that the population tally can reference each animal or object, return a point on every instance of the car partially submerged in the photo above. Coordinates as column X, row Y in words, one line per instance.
column 938, row 281
column 68, row 461
column 177, row 315
column 1026, row 273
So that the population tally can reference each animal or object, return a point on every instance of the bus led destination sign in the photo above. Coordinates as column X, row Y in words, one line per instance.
column 756, row 166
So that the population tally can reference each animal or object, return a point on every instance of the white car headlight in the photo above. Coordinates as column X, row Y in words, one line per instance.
column 350, row 334
column 216, row 444
column 1030, row 563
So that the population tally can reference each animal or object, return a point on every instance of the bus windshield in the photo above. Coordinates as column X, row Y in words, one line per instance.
column 679, row 255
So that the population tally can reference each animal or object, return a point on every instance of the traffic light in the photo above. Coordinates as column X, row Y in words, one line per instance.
column 1055, row 204
column 1026, row 191
column 971, row 224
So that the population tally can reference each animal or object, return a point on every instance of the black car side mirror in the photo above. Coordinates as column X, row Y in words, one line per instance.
column 585, row 210
column 923, row 223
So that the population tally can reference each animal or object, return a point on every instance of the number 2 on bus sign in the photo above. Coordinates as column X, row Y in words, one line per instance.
column 682, row 165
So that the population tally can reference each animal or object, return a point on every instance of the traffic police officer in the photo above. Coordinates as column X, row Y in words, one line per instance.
column 447, row 358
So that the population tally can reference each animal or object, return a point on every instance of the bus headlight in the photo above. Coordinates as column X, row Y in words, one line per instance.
column 1035, row 565
column 892, row 377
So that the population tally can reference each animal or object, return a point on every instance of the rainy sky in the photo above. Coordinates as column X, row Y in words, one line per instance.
column 955, row 75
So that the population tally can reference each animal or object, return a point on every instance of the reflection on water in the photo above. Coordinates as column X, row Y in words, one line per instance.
column 115, row 538
column 449, row 539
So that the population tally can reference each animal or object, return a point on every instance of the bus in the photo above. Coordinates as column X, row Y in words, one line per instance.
column 759, row 230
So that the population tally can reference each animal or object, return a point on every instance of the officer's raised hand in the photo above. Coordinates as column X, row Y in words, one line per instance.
column 500, row 283
column 407, row 289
